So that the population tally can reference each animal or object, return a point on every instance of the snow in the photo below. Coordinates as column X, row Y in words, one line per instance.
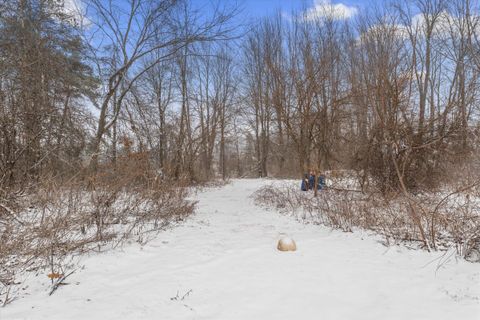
column 223, row 264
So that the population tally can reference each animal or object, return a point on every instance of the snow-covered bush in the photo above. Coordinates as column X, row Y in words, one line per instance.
column 44, row 229
column 434, row 221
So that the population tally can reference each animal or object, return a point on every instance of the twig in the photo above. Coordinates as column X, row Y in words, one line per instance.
column 177, row 297
column 11, row 213
column 60, row 282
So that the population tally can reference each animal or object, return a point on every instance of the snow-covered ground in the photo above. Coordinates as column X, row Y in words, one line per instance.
column 223, row 264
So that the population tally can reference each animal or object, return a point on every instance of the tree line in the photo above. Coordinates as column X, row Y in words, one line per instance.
column 391, row 93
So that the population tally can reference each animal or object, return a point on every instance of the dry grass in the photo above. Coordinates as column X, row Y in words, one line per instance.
column 44, row 230
column 431, row 221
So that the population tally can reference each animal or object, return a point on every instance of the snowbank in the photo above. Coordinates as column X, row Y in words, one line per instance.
column 223, row 264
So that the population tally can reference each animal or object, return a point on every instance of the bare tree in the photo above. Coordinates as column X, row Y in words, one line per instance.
column 131, row 30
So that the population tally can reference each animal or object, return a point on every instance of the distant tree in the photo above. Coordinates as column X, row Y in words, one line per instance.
column 43, row 78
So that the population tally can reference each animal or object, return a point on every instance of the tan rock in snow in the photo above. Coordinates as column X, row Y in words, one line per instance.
column 286, row 244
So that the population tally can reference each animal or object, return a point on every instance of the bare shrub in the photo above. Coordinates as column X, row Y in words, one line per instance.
column 44, row 230
column 448, row 220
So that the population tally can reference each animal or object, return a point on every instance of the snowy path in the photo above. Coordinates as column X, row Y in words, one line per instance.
column 224, row 264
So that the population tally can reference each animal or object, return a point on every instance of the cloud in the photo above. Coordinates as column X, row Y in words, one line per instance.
column 76, row 10
column 327, row 9
column 446, row 28
column 446, row 24
column 441, row 27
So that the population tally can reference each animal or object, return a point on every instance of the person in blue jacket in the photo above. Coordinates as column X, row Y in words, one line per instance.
column 305, row 183
column 311, row 179
column 321, row 181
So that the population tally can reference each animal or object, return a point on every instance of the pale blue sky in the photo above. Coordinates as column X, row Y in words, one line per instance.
column 252, row 9
column 258, row 8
